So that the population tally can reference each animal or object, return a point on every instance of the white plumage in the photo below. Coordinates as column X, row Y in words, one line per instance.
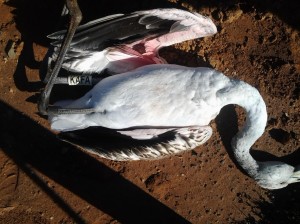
column 154, row 95
column 153, row 101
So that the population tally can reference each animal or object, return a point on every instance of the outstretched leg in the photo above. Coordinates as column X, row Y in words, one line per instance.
column 50, row 61
column 76, row 17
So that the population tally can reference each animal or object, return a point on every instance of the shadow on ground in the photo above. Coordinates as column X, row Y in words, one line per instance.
column 32, row 148
column 30, row 145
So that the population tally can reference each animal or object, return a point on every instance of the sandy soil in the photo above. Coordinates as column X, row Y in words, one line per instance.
column 43, row 180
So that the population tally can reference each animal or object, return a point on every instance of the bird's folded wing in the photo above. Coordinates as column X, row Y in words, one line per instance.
column 111, row 144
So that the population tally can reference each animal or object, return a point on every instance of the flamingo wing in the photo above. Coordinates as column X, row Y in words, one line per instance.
column 130, row 41
column 102, row 142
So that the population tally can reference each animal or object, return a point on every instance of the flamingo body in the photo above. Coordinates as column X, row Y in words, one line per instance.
column 154, row 95
column 169, row 104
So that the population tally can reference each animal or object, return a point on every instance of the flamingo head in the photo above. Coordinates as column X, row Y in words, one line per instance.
column 276, row 175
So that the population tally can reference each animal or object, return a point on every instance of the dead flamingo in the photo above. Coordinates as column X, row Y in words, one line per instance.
column 153, row 100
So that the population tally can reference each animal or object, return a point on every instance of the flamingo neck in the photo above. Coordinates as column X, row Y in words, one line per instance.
column 248, row 97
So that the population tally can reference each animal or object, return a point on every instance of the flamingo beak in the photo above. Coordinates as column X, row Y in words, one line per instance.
column 296, row 175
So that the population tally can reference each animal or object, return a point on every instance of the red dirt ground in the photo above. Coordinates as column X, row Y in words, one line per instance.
column 43, row 180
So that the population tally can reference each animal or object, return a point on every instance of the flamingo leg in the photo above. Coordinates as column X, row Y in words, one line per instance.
column 76, row 16
column 49, row 70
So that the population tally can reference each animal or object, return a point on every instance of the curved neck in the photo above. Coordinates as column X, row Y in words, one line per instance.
column 248, row 97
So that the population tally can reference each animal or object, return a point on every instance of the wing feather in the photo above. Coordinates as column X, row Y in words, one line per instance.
column 114, row 145
column 138, row 26
column 134, row 38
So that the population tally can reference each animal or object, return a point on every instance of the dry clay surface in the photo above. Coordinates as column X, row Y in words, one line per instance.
column 43, row 180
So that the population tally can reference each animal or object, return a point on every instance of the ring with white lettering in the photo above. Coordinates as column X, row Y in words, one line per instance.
column 85, row 80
